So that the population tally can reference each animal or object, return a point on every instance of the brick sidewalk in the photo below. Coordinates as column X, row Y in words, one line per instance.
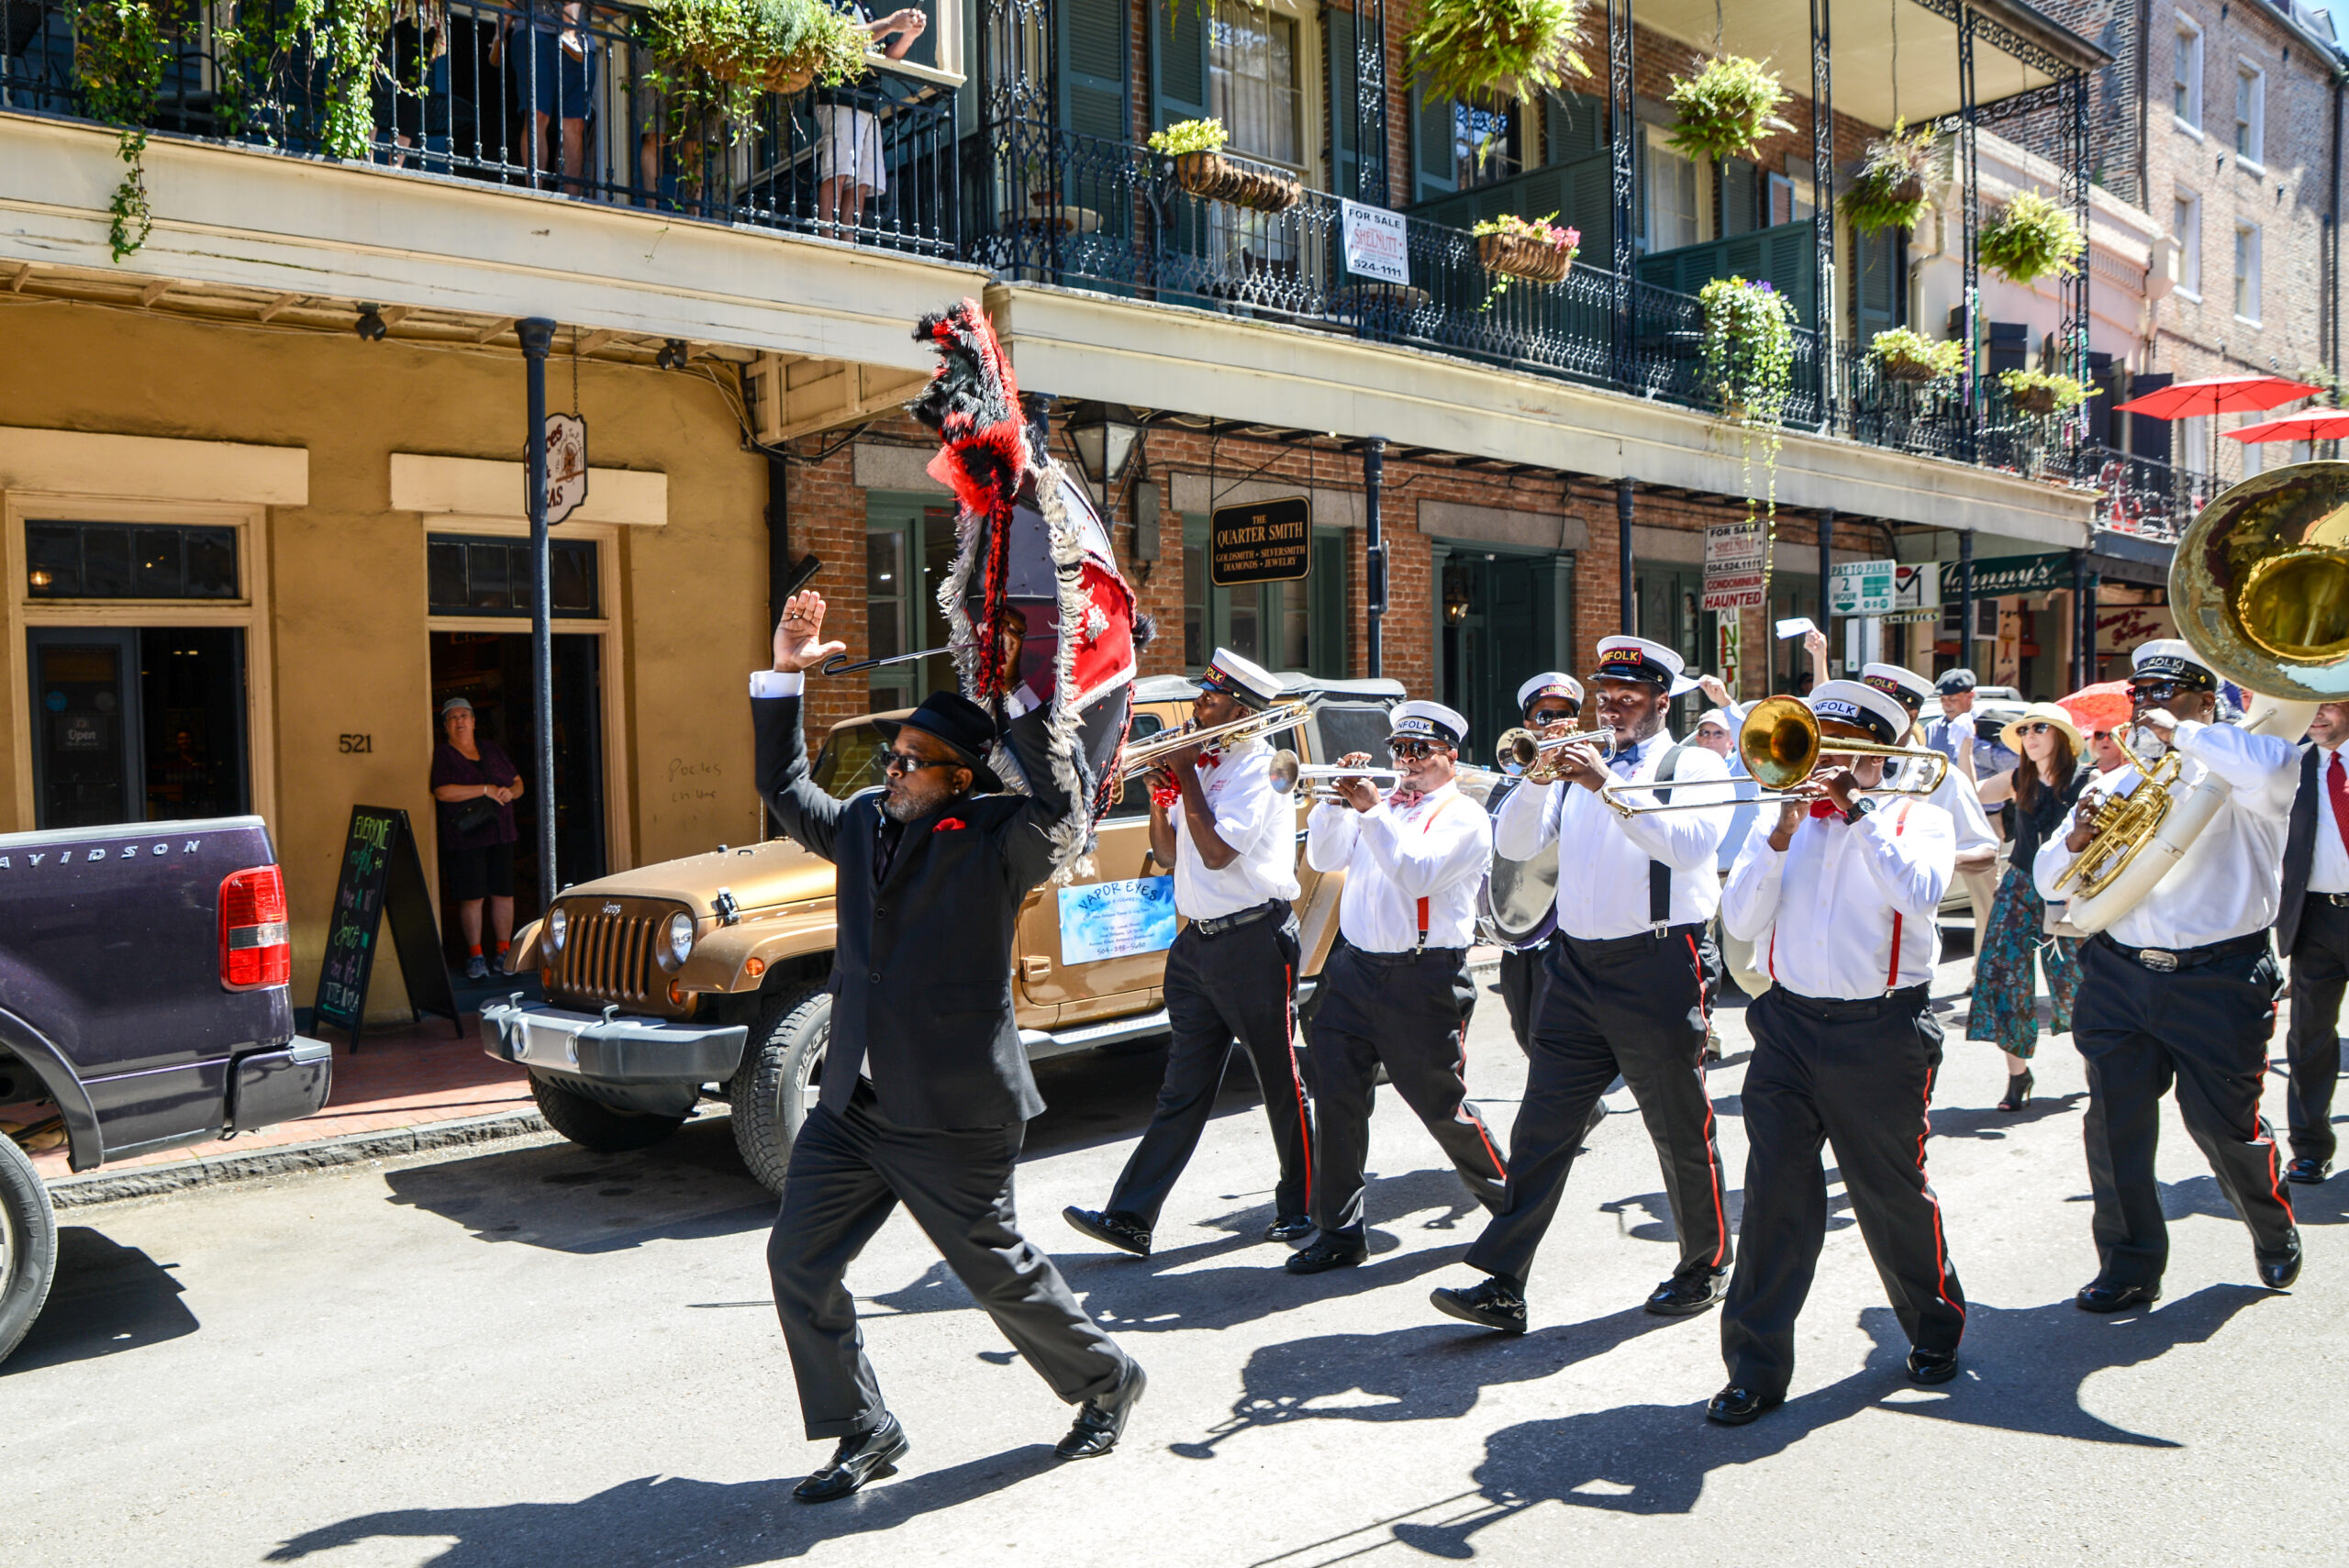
column 398, row 1078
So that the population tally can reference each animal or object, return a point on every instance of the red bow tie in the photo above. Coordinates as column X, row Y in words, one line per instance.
column 1822, row 809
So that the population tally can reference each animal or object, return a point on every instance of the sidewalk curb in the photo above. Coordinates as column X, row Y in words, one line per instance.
column 101, row 1186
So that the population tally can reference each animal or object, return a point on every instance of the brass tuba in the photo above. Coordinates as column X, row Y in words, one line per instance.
column 2260, row 588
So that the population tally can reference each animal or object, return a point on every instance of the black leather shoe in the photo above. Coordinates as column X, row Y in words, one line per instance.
column 1122, row 1232
column 860, row 1458
column 1326, row 1253
column 1491, row 1304
column 1686, row 1295
column 1289, row 1227
column 1101, row 1420
column 1735, row 1405
column 2308, row 1173
column 2098, row 1296
column 2278, row 1274
column 1932, row 1366
column 2019, row 1087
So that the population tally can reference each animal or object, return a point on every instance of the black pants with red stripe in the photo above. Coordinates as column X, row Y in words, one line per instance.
column 1634, row 1006
column 1858, row 1076
column 1239, row 983
column 2207, row 1029
column 1408, row 1013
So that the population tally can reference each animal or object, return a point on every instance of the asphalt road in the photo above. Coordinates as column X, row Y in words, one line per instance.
column 541, row 1356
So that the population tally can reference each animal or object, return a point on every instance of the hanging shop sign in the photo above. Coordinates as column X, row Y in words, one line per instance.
column 2002, row 574
column 1265, row 541
column 1862, row 588
column 1736, row 562
column 1377, row 243
column 566, row 465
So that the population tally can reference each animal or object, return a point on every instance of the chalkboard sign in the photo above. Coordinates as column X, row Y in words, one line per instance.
column 1262, row 541
column 381, row 876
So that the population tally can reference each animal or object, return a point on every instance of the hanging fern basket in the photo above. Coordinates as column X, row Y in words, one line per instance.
column 1889, row 191
column 1899, row 366
column 1517, row 256
column 2031, row 237
column 1494, row 49
column 1725, row 106
column 1213, row 177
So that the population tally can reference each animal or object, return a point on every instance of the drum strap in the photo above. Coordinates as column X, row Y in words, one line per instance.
column 1659, row 873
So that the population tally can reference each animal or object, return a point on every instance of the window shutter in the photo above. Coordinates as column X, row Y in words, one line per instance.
column 1740, row 204
column 1345, row 158
column 1433, row 171
column 1572, row 124
column 1590, row 207
column 1178, row 58
column 1877, row 289
column 2148, row 437
column 1092, row 44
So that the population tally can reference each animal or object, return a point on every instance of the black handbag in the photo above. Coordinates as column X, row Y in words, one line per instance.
column 475, row 815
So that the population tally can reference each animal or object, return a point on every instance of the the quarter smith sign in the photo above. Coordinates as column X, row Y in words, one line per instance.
column 1265, row 542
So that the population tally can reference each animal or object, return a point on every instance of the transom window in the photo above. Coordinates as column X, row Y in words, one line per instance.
column 128, row 561
column 468, row 575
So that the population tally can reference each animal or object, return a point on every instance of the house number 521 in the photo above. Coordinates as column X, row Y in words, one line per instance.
column 357, row 743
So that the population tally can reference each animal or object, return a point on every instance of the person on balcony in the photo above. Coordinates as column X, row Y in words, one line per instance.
column 555, row 74
column 849, row 165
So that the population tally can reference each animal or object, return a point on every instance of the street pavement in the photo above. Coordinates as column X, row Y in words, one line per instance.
column 542, row 1356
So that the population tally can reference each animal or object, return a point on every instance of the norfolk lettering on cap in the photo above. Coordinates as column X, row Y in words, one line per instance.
column 2171, row 659
column 1637, row 659
column 1904, row 687
column 1549, row 683
column 1244, row 679
column 1428, row 722
column 1858, row 704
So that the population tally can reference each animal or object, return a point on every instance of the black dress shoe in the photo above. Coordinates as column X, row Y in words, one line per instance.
column 1101, row 1420
column 2098, row 1296
column 1932, row 1366
column 2279, row 1273
column 1327, row 1253
column 2019, row 1087
column 860, row 1458
column 1685, row 1296
column 1122, row 1232
column 1735, row 1405
column 2308, row 1173
column 1289, row 1227
column 1491, row 1304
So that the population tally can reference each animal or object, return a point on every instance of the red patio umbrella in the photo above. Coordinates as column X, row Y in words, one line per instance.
column 2217, row 394
column 2316, row 425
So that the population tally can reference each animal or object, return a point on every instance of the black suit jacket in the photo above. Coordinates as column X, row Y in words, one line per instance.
column 921, row 972
column 2299, row 852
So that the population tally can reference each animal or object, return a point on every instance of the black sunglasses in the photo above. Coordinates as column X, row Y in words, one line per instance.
column 2157, row 690
column 2036, row 726
column 886, row 761
column 1410, row 750
column 1551, row 715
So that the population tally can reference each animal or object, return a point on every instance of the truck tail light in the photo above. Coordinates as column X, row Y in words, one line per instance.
column 254, row 949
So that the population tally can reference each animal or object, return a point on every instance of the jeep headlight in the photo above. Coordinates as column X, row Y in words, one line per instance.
column 557, row 924
column 680, row 942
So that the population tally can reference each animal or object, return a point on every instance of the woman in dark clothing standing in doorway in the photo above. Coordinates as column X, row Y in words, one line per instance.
column 2044, row 787
column 476, row 787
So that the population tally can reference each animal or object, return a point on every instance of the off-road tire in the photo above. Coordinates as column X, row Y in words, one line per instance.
column 776, row 1085
column 592, row 1124
column 27, row 1245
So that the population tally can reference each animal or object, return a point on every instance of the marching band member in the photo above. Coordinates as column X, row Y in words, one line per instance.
column 1232, row 970
column 1840, row 898
column 2182, row 989
column 1398, row 991
column 1551, row 703
column 2313, row 931
column 1630, row 977
column 1977, row 841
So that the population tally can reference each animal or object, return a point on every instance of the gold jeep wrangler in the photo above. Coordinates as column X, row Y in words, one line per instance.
column 704, row 978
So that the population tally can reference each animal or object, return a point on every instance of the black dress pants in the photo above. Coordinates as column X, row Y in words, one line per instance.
column 848, row 1171
column 1859, row 1076
column 1241, row 983
column 1523, row 976
column 1410, row 1013
column 2207, row 1029
column 1634, row 1006
column 2320, row 972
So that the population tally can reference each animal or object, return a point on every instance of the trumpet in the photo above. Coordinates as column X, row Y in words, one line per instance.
column 1145, row 755
column 1521, row 753
column 1317, row 780
column 1780, row 743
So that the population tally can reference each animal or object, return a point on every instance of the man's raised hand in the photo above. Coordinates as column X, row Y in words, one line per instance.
column 798, row 645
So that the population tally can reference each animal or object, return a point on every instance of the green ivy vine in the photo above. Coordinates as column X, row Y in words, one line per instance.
column 1749, row 366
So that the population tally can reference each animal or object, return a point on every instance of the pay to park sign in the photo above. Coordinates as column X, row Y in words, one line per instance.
column 1265, row 542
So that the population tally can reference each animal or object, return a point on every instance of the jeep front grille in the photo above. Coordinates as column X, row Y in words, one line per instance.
column 607, row 957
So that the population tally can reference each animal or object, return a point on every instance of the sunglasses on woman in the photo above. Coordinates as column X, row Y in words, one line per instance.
column 2037, row 726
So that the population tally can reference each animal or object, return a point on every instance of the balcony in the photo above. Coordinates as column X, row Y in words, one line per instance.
column 2140, row 498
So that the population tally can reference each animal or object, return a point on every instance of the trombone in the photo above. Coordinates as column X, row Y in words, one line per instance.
column 1780, row 743
column 1143, row 756
column 1521, row 753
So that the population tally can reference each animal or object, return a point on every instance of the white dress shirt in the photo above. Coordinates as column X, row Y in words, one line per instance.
column 2329, row 866
column 1256, row 822
column 1846, row 911
column 1969, row 819
column 2229, row 882
column 776, row 683
column 1603, row 858
column 1404, row 865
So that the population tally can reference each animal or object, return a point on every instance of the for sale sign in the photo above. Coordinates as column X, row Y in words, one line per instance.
column 1736, row 564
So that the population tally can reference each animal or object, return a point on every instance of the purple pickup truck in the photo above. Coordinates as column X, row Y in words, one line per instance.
column 143, row 1004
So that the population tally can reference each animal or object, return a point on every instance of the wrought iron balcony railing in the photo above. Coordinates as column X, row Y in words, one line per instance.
column 2140, row 496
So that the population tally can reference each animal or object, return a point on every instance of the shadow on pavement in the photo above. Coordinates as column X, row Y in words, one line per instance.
column 671, row 1519
column 2327, row 1203
column 107, row 1298
column 1989, row 1122
column 2023, row 1372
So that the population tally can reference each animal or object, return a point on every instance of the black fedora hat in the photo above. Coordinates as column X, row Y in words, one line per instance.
column 963, row 723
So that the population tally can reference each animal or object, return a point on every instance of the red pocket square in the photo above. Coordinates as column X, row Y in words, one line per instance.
column 948, row 825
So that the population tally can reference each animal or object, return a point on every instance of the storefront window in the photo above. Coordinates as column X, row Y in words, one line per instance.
column 908, row 550
column 1298, row 625
column 128, row 561
column 466, row 575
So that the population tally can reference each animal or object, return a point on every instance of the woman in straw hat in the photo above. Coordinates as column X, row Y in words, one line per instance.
column 2044, row 788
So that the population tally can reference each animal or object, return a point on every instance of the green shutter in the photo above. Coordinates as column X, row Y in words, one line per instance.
column 1590, row 207
column 1178, row 60
column 1325, row 625
column 1345, row 158
column 1573, row 126
column 1432, row 169
column 1092, row 43
column 1740, row 207
column 1875, row 290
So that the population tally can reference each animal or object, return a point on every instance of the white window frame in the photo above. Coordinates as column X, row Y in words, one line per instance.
column 1700, row 213
column 2185, row 67
column 2250, row 129
column 2190, row 241
column 2247, row 270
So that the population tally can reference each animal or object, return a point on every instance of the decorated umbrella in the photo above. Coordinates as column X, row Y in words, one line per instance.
column 2316, row 425
column 2217, row 394
column 2104, row 706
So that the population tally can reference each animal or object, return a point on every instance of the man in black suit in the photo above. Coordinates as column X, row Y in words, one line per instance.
column 2313, row 930
column 926, row 1092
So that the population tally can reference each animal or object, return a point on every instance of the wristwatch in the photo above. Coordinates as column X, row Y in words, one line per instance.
column 1860, row 808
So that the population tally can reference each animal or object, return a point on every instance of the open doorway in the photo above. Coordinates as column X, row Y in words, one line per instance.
column 492, row 670
column 138, row 724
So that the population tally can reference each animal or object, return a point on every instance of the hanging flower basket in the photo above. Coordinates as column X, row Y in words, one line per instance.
column 722, row 57
column 1725, row 106
column 1213, row 177
column 2041, row 392
column 1902, row 354
column 1533, row 249
column 1494, row 48
column 2031, row 237
column 1889, row 192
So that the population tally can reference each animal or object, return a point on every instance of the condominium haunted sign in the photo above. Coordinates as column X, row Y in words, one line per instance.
column 1265, row 541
